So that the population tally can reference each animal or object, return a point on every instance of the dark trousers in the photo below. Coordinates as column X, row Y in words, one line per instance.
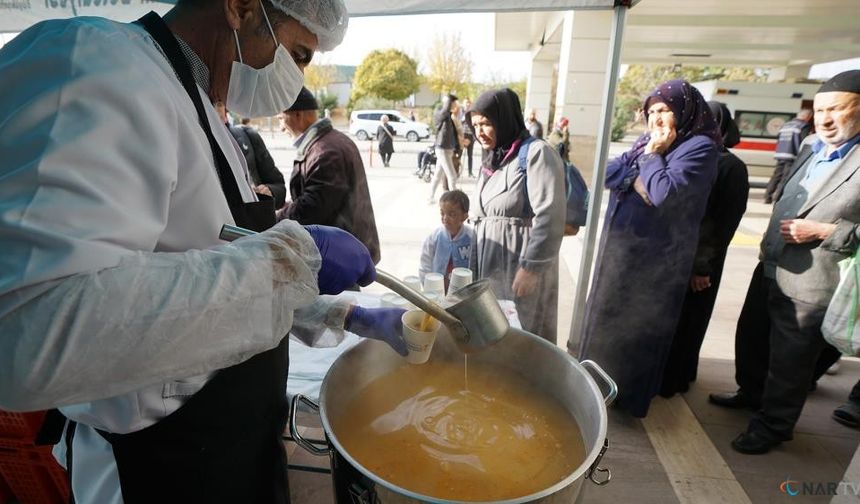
column 779, row 352
column 776, row 182
column 854, row 396
column 752, row 340
column 386, row 158
column 683, row 362
column 468, row 149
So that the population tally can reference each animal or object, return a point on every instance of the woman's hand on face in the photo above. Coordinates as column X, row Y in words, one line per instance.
column 661, row 138
column 525, row 283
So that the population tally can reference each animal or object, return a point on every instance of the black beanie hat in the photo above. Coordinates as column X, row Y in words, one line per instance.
column 848, row 81
column 305, row 101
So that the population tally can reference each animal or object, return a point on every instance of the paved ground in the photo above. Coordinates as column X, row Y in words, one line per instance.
column 681, row 452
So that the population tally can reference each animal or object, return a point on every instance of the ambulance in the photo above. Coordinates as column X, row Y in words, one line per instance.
column 759, row 109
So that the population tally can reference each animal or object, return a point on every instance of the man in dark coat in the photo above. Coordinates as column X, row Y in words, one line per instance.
column 267, row 178
column 328, row 185
column 788, row 143
column 815, row 224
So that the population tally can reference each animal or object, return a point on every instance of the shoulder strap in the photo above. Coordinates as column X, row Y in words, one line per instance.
column 523, row 154
column 156, row 27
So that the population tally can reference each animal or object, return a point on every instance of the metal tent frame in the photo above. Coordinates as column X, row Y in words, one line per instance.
column 17, row 15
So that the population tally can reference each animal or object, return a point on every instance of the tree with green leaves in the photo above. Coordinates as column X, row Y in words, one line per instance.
column 449, row 66
column 388, row 74
column 318, row 77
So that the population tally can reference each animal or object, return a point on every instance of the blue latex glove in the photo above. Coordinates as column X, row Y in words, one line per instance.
column 381, row 324
column 345, row 260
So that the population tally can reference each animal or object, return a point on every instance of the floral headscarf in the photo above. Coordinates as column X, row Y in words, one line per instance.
column 692, row 115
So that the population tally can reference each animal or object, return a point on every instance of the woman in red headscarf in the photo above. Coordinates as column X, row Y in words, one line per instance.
column 659, row 190
column 559, row 138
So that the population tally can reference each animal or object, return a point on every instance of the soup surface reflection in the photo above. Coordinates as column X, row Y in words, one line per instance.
column 417, row 427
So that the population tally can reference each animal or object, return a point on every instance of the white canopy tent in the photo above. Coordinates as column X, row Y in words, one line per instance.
column 17, row 15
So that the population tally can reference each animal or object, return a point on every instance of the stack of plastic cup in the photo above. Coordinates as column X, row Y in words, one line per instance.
column 413, row 281
column 434, row 283
column 460, row 277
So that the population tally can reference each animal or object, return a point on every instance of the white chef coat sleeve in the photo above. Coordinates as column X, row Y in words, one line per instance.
column 90, row 148
column 152, row 318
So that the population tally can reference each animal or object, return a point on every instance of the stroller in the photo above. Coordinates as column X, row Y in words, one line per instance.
column 426, row 164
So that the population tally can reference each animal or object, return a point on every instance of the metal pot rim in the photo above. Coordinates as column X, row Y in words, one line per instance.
column 578, row 473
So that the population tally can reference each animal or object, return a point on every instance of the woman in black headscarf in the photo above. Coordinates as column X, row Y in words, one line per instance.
column 519, row 211
column 726, row 205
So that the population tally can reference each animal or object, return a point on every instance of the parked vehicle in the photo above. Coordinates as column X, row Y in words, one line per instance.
column 363, row 125
column 760, row 109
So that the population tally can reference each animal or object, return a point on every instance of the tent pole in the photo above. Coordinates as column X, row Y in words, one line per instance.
column 597, row 179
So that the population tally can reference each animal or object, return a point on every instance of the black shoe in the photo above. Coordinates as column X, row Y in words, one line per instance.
column 734, row 400
column 753, row 443
column 848, row 414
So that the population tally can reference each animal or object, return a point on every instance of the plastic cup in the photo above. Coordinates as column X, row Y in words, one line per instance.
column 418, row 343
column 401, row 302
column 413, row 281
column 389, row 300
column 460, row 277
column 434, row 282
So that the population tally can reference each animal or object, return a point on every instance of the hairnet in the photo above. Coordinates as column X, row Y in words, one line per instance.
column 327, row 19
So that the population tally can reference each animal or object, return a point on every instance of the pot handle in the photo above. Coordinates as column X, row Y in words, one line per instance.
column 294, row 430
column 613, row 388
column 595, row 467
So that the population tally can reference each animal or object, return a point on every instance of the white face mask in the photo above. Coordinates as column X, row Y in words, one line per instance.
column 261, row 92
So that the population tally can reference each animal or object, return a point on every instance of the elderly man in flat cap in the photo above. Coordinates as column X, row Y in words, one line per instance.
column 814, row 225
column 328, row 185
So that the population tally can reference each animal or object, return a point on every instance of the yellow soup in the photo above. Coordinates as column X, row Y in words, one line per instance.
column 419, row 428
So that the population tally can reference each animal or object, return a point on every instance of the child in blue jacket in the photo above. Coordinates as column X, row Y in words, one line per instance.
column 449, row 246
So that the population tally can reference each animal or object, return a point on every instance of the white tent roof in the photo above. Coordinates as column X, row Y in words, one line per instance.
column 16, row 15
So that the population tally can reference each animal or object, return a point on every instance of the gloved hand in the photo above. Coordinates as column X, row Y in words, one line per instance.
column 345, row 260
column 380, row 324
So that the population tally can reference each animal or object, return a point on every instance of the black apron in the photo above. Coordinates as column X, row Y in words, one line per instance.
column 224, row 444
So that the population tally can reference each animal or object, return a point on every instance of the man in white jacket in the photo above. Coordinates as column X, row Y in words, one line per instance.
column 118, row 302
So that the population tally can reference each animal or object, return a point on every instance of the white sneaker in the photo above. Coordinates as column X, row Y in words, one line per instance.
column 833, row 369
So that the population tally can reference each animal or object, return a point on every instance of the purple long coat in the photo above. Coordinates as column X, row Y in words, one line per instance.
column 644, row 264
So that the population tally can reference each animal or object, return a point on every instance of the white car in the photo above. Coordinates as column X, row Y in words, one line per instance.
column 363, row 125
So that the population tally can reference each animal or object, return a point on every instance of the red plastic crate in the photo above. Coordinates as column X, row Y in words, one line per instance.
column 5, row 491
column 20, row 426
column 33, row 475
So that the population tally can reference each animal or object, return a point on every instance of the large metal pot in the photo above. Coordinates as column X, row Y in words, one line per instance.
column 534, row 359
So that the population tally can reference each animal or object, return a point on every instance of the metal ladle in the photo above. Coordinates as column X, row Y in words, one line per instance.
column 475, row 320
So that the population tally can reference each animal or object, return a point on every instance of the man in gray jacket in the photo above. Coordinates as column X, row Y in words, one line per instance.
column 814, row 226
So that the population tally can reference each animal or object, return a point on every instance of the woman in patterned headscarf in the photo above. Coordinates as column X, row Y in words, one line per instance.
column 659, row 190
column 519, row 211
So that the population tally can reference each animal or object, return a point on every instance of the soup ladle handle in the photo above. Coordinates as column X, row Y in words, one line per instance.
column 455, row 327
